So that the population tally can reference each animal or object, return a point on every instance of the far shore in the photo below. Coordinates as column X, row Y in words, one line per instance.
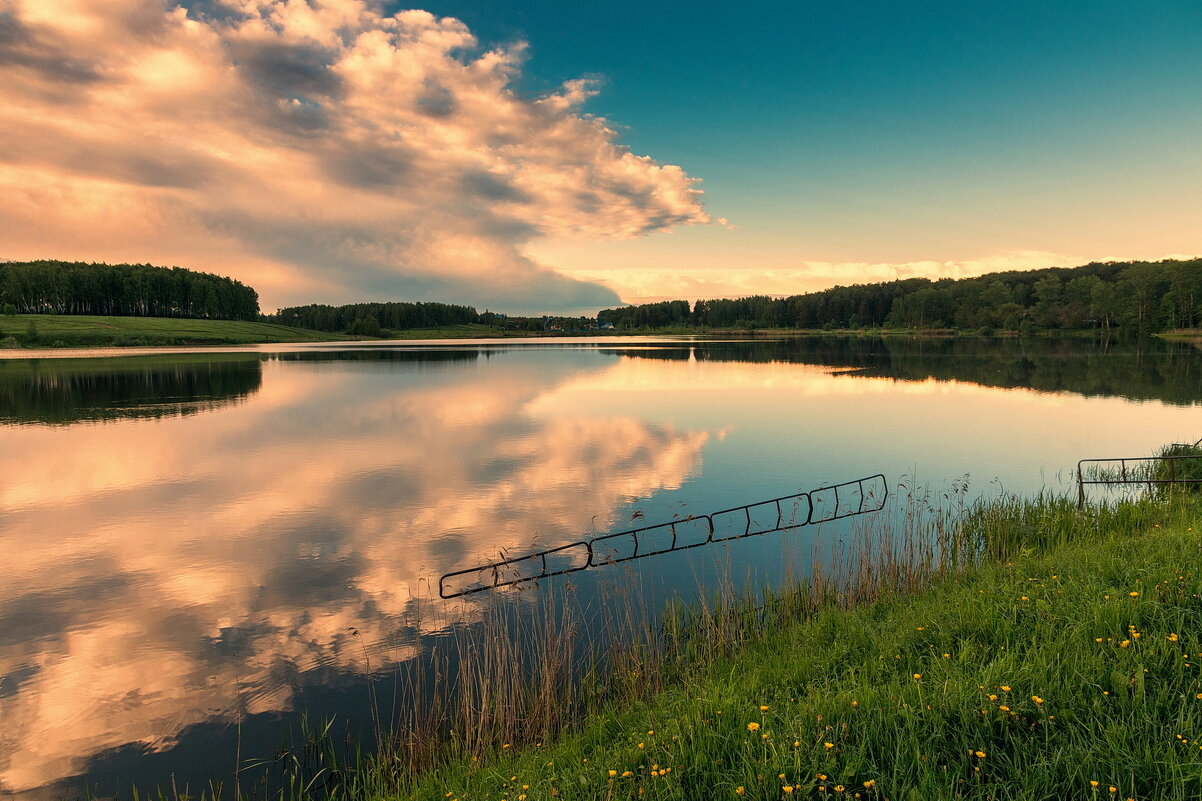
column 41, row 331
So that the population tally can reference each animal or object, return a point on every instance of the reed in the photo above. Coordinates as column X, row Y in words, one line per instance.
column 552, row 692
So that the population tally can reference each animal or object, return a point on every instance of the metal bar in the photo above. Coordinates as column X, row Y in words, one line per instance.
column 594, row 558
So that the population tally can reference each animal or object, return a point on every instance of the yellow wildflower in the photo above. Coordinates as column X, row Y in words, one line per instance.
column 1093, row 783
column 917, row 676
column 1172, row 638
column 613, row 773
column 753, row 726
column 1133, row 594
column 788, row 788
column 828, row 746
column 868, row 785
column 740, row 790
column 1005, row 689
column 763, row 708
column 838, row 788
column 980, row 754
column 1037, row 699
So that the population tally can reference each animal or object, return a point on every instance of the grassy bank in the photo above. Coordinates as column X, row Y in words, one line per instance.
column 55, row 330
column 1016, row 649
column 1071, row 656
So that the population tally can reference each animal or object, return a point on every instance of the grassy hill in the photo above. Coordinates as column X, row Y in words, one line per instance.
column 49, row 330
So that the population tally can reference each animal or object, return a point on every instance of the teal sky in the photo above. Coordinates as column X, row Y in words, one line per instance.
column 889, row 132
column 336, row 151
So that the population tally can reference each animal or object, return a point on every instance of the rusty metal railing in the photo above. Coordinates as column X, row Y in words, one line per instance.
column 1136, row 470
column 822, row 505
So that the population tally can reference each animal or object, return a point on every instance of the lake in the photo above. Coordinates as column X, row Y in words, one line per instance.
column 201, row 547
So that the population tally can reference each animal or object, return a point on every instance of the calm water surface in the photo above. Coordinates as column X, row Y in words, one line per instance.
column 194, row 540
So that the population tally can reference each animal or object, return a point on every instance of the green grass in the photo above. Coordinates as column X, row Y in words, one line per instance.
column 61, row 330
column 1078, row 661
column 1016, row 649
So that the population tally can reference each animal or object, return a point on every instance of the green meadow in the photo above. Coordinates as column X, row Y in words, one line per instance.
column 1015, row 649
column 62, row 330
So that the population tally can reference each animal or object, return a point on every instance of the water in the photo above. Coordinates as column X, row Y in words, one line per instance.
column 200, row 547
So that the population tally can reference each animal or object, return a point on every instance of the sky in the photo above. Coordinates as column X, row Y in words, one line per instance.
column 531, row 156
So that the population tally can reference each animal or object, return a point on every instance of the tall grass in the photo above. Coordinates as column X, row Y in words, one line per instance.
column 869, row 678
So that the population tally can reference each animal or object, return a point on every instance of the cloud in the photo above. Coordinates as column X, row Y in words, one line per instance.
column 290, row 561
column 319, row 150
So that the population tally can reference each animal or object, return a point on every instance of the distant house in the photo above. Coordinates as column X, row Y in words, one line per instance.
column 605, row 325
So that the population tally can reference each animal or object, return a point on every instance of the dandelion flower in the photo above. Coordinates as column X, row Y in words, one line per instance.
column 763, row 708
column 1093, row 783
column 839, row 788
column 780, row 775
column 1173, row 638
column 980, row 754
column 753, row 726
column 1004, row 708
column 1005, row 689
column 868, row 785
column 1133, row 594
column 788, row 788
column 917, row 676
column 992, row 697
column 1037, row 699
column 828, row 746
column 740, row 790
column 797, row 743
column 1113, row 789
column 613, row 773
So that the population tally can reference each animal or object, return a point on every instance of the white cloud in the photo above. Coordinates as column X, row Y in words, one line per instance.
column 317, row 150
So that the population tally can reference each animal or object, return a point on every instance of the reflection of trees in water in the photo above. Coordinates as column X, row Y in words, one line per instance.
column 1153, row 370
column 70, row 391
column 61, row 392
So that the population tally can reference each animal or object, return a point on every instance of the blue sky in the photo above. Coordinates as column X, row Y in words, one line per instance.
column 340, row 150
column 895, row 132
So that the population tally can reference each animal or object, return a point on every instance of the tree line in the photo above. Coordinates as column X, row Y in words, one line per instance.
column 369, row 319
column 122, row 290
column 1139, row 298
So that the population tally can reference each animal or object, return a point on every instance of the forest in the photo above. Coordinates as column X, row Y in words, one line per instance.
column 369, row 319
column 122, row 290
column 1135, row 298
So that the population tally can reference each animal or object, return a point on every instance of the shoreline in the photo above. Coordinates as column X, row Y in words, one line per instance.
column 79, row 332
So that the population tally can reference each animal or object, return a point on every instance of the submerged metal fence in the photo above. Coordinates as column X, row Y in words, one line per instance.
column 1147, row 470
column 822, row 505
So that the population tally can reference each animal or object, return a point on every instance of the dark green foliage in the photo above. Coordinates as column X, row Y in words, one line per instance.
column 367, row 319
column 1138, row 298
column 1179, row 462
column 123, row 290
column 67, row 391
column 8, row 309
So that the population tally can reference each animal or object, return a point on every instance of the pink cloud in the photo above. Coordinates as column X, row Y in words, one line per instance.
column 317, row 150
